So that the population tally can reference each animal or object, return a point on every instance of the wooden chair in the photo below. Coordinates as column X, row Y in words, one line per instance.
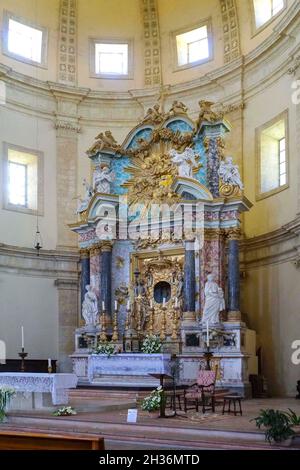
column 202, row 392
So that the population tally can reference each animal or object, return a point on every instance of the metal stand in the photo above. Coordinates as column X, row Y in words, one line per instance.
column 23, row 355
column 208, row 356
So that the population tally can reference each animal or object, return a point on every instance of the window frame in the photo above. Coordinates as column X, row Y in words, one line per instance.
column 205, row 22
column 284, row 116
column 44, row 47
column 256, row 30
column 6, row 204
column 110, row 76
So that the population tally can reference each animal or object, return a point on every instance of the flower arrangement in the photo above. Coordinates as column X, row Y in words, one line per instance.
column 6, row 394
column 105, row 348
column 65, row 411
column 151, row 345
column 154, row 400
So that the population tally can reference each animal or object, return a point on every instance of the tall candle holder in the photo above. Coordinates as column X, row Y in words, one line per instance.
column 115, row 336
column 163, row 324
column 175, row 324
column 151, row 321
column 103, row 336
column 23, row 356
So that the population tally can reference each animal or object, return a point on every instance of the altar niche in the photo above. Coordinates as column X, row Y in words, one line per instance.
column 153, row 284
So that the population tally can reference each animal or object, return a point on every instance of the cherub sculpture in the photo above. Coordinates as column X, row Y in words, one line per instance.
column 229, row 173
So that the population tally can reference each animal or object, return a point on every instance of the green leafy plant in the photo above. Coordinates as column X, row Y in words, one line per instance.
column 277, row 423
column 293, row 417
column 65, row 411
column 6, row 394
column 105, row 348
column 151, row 345
column 154, row 400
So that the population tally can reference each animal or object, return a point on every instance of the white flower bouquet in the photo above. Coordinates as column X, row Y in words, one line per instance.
column 154, row 400
column 65, row 411
column 151, row 345
column 105, row 348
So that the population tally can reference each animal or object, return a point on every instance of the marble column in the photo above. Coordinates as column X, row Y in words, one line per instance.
column 85, row 272
column 105, row 282
column 95, row 266
column 234, row 313
column 189, row 289
column 213, row 138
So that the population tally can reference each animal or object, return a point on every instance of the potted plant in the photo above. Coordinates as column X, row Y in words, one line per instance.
column 151, row 345
column 153, row 402
column 294, row 420
column 278, row 426
column 6, row 394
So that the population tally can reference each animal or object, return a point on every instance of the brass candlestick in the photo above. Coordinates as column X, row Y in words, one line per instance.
column 103, row 337
column 163, row 324
column 23, row 356
column 49, row 370
column 115, row 336
column 175, row 324
column 151, row 321
column 127, row 321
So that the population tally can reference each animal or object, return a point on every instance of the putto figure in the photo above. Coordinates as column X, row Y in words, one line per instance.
column 90, row 307
column 214, row 301
column 229, row 172
column 103, row 177
column 185, row 161
column 178, row 108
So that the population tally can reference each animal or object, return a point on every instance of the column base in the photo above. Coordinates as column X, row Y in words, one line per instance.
column 234, row 316
column 189, row 318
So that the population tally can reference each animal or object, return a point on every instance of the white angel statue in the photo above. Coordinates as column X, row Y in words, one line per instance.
column 103, row 177
column 185, row 162
column 229, row 172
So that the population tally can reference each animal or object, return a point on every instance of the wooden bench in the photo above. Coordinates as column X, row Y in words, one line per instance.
column 23, row 440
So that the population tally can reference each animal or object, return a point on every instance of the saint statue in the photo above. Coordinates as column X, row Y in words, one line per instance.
column 214, row 301
column 103, row 177
column 83, row 203
column 185, row 162
column 90, row 307
column 229, row 172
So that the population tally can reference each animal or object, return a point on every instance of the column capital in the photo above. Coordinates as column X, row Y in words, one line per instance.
column 95, row 249
column 234, row 233
column 106, row 246
column 84, row 253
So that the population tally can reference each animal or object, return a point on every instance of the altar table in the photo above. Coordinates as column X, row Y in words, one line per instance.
column 38, row 390
column 128, row 369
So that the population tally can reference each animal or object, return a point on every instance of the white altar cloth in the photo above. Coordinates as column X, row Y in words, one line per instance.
column 127, row 365
column 56, row 385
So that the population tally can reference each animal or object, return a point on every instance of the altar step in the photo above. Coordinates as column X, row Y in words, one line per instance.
column 153, row 434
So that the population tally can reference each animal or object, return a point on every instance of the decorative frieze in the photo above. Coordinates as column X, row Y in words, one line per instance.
column 231, row 34
column 67, row 71
column 152, row 52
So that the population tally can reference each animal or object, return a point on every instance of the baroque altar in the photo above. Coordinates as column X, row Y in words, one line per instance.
column 159, row 229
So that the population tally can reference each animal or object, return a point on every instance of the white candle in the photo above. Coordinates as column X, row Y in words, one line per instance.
column 164, row 302
column 207, row 334
column 176, row 302
column 116, row 305
column 103, row 305
column 49, row 362
column 22, row 332
column 128, row 305
column 151, row 303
